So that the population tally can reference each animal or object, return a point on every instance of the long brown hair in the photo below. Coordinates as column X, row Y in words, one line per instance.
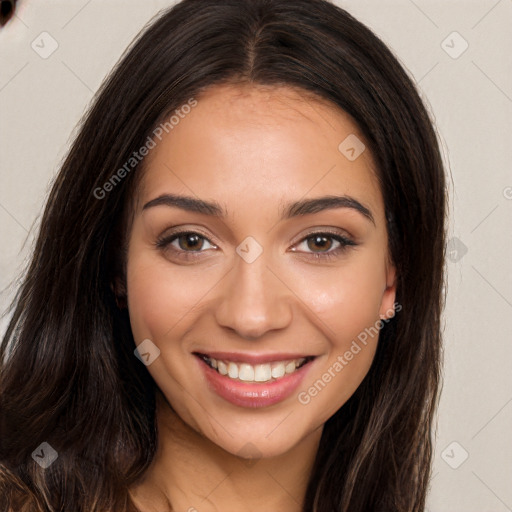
column 68, row 373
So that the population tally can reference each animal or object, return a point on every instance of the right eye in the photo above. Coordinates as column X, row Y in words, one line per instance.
column 187, row 242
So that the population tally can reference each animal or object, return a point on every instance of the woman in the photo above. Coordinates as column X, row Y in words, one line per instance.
column 234, row 300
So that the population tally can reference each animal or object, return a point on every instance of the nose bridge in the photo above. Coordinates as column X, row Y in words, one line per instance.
column 254, row 300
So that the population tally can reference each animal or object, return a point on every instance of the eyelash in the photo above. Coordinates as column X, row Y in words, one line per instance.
column 164, row 242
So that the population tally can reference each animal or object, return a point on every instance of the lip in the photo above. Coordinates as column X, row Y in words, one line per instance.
column 254, row 394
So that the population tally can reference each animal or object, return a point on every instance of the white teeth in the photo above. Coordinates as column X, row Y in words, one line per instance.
column 233, row 370
column 290, row 367
column 246, row 372
column 262, row 372
column 221, row 367
column 278, row 370
column 298, row 362
column 255, row 373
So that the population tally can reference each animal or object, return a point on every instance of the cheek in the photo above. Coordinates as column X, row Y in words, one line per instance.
column 345, row 303
column 157, row 297
column 346, row 299
column 145, row 301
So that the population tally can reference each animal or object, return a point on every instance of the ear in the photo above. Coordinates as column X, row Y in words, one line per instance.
column 387, row 305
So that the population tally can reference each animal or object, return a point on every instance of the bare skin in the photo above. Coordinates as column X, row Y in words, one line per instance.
column 251, row 150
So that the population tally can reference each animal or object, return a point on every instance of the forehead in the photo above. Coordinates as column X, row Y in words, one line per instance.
column 258, row 146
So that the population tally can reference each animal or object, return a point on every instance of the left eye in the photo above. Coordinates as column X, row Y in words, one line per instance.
column 324, row 241
column 186, row 240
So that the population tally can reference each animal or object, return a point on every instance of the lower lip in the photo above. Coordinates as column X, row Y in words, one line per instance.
column 261, row 394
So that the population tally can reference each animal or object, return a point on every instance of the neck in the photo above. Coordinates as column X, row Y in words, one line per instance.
column 190, row 473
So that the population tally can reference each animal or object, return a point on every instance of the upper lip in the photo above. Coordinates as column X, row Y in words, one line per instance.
column 252, row 358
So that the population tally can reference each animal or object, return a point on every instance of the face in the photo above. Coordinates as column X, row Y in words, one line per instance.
column 261, row 301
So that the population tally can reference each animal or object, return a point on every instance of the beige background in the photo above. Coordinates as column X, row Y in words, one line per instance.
column 42, row 99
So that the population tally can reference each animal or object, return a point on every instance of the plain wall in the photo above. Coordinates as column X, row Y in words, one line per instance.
column 470, row 96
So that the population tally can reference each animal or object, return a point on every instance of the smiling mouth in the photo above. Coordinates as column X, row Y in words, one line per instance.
column 246, row 372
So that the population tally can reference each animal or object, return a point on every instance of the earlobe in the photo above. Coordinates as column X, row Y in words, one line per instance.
column 387, row 307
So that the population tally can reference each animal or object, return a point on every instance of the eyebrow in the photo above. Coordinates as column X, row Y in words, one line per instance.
column 294, row 209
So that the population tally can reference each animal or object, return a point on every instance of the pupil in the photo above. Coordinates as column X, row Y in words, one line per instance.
column 320, row 241
column 191, row 240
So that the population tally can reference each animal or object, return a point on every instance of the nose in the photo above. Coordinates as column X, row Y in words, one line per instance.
column 255, row 299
